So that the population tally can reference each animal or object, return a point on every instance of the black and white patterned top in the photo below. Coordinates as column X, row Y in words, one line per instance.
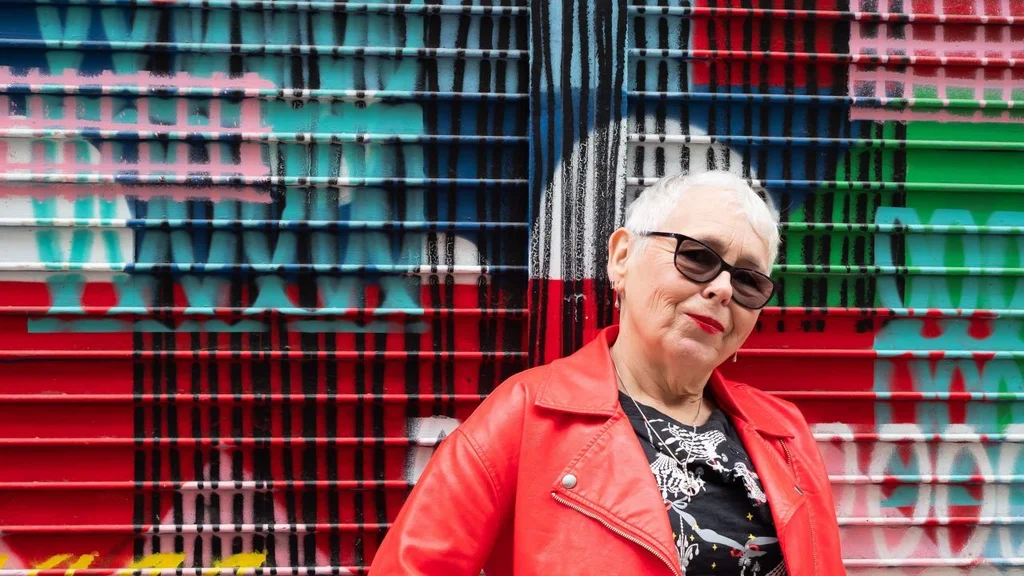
column 721, row 522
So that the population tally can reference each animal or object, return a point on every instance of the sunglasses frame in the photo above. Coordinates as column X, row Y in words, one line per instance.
column 723, row 265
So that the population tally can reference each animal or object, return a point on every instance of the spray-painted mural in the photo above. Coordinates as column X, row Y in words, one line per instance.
column 258, row 257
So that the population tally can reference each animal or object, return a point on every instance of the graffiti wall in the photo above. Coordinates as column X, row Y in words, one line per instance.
column 259, row 257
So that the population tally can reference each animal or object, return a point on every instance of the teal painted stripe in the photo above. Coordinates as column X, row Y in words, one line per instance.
column 951, row 354
column 293, row 5
column 263, row 49
column 829, row 227
column 944, row 396
column 897, row 270
column 184, row 223
column 215, row 136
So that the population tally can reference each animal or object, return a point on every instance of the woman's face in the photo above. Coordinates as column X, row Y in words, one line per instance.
column 678, row 317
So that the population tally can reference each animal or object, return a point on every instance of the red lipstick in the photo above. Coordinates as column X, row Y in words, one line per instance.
column 709, row 325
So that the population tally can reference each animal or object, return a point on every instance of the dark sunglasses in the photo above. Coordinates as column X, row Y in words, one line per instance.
column 700, row 263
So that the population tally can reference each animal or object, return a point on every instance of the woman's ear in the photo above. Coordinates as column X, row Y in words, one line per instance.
column 618, row 257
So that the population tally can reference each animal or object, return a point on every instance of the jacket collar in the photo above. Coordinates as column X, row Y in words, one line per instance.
column 588, row 386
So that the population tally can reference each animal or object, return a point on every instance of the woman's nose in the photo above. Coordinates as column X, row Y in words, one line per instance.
column 720, row 287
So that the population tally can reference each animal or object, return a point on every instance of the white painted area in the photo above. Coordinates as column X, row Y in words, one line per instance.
column 462, row 250
column 429, row 431
column 24, row 241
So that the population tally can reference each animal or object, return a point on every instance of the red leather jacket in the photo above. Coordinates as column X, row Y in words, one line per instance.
column 548, row 477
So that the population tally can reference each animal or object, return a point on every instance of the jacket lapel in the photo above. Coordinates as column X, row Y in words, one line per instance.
column 779, row 484
column 612, row 479
column 612, row 476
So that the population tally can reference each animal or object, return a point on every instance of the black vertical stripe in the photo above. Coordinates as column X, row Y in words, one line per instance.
column 567, row 152
column 359, row 428
column 548, row 164
column 378, row 375
column 280, row 333
column 538, row 201
column 331, row 377
column 139, row 432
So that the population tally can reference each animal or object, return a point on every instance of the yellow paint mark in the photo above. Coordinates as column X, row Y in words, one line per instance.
column 155, row 562
column 51, row 562
column 84, row 561
column 159, row 561
column 244, row 560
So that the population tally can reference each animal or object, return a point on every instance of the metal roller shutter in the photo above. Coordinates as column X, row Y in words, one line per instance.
column 257, row 258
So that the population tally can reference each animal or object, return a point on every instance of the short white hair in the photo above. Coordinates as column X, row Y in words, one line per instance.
column 659, row 200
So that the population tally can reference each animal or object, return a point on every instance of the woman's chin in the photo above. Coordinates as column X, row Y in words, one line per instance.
column 687, row 348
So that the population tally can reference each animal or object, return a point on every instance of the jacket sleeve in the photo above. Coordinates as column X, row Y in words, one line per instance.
column 449, row 522
column 462, row 500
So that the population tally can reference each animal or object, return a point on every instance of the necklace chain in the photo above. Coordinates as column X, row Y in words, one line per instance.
column 651, row 428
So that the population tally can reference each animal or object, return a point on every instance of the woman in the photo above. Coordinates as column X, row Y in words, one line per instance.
column 634, row 455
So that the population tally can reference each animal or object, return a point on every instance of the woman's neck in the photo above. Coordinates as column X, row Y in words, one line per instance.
column 679, row 394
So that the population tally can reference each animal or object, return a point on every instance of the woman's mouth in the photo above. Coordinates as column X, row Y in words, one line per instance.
column 709, row 325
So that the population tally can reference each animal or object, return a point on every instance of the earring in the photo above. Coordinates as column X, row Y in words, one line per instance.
column 618, row 300
column 735, row 356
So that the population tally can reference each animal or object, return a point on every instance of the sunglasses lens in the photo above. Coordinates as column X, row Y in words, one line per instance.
column 751, row 289
column 701, row 264
column 697, row 262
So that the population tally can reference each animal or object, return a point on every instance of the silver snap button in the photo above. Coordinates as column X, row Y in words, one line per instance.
column 569, row 481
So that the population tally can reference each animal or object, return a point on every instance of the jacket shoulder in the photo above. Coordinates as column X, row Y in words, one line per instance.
column 499, row 418
column 495, row 428
column 515, row 392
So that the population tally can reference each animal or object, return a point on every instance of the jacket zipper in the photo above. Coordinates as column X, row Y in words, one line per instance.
column 810, row 524
column 644, row 545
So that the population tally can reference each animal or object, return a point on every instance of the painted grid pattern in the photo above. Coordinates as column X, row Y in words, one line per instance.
column 981, row 39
